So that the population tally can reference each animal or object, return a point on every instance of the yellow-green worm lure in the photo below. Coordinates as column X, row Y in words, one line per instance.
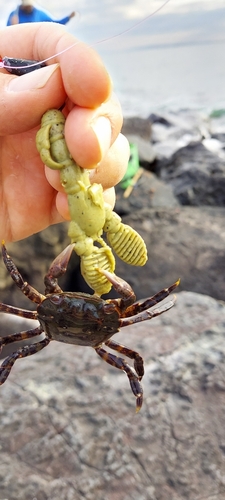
column 90, row 215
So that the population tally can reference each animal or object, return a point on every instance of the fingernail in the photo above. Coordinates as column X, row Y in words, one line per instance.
column 34, row 80
column 102, row 130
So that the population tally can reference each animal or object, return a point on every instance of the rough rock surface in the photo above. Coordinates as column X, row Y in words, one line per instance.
column 139, row 130
column 196, row 175
column 185, row 242
column 32, row 256
column 175, row 130
column 140, row 127
column 149, row 192
column 68, row 428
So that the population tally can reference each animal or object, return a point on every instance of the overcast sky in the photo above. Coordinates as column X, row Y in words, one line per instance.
column 182, row 45
column 179, row 21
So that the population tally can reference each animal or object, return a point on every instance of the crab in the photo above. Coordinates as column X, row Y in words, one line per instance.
column 81, row 319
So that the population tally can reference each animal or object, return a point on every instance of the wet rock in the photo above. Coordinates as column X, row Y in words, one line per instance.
column 186, row 126
column 196, row 175
column 217, row 123
column 215, row 146
column 220, row 137
column 68, row 428
column 154, row 118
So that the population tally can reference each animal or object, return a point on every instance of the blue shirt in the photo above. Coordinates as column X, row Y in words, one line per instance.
column 36, row 16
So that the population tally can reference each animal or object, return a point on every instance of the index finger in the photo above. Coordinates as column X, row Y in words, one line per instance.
column 85, row 79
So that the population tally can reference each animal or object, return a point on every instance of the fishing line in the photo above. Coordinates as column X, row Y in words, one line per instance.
column 41, row 63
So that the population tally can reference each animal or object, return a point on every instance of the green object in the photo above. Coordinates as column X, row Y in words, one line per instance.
column 217, row 113
column 132, row 168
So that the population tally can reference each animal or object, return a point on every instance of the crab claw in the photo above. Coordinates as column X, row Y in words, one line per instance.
column 57, row 269
column 60, row 263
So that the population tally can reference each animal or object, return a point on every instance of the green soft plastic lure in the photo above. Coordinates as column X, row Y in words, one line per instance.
column 90, row 215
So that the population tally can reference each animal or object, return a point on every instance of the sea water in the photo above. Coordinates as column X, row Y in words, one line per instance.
column 156, row 79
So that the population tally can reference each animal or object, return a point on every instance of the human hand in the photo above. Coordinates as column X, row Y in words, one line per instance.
column 72, row 14
column 31, row 197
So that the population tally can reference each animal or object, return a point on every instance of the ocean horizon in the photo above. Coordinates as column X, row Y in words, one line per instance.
column 162, row 78
column 169, row 61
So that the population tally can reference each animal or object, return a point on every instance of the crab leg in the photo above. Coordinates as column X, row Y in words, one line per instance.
column 121, row 364
column 28, row 290
column 24, row 313
column 147, row 315
column 138, row 360
column 27, row 350
column 17, row 337
column 126, row 303
column 138, row 307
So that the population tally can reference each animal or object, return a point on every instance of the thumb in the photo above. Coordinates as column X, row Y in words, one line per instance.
column 25, row 98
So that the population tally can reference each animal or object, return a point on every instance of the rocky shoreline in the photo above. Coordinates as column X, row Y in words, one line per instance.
column 68, row 428
column 179, row 202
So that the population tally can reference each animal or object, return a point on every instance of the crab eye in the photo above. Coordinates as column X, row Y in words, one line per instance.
column 56, row 299
column 109, row 308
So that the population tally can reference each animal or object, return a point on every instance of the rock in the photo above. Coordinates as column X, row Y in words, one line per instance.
column 215, row 145
column 145, row 150
column 138, row 131
column 33, row 256
column 140, row 127
column 155, row 118
column 68, row 426
column 196, row 175
column 186, row 126
column 149, row 191
column 11, row 324
column 220, row 136
column 185, row 242
column 217, row 123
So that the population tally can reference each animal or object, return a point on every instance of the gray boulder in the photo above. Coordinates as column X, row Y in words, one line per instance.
column 68, row 428
column 196, row 175
column 185, row 242
column 148, row 192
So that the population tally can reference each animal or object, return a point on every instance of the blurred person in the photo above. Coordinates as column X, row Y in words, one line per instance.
column 27, row 13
